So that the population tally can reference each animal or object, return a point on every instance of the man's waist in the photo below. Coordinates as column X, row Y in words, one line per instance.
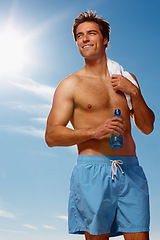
column 107, row 160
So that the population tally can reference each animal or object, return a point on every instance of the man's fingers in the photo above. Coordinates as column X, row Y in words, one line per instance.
column 114, row 76
column 116, row 124
column 115, row 84
column 114, row 80
column 112, row 125
column 118, row 128
column 117, row 119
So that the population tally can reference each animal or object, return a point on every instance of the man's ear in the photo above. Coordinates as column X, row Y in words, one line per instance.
column 105, row 41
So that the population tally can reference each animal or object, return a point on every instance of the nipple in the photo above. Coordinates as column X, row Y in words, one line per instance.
column 89, row 106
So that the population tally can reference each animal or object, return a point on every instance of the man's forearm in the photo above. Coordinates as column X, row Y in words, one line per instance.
column 143, row 115
column 63, row 136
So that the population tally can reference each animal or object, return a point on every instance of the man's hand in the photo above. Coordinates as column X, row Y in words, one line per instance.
column 112, row 125
column 120, row 83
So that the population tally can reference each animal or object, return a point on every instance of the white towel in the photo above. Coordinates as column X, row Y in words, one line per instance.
column 116, row 68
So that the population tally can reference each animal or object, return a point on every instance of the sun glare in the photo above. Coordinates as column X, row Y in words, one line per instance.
column 13, row 51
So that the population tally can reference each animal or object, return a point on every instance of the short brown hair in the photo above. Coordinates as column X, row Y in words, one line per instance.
column 92, row 17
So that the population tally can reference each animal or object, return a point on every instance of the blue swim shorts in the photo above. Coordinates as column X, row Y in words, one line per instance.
column 108, row 194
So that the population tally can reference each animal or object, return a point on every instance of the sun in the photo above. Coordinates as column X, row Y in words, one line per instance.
column 13, row 51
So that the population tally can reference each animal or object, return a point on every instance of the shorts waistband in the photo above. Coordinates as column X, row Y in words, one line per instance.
column 107, row 160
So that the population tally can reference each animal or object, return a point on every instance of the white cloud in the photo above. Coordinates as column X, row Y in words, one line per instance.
column 49, row 227
column 29, row 108
column 30, row 85
column 30, row 226
column 37, row 109
column 40, row 120
column 11, row 231
column 27, row 130
column 6, row 214
column 63, row 217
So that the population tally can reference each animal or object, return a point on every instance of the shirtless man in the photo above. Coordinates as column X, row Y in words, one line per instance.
column 99, row 206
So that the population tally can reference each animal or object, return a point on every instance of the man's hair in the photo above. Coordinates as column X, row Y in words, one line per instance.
column 92, row 17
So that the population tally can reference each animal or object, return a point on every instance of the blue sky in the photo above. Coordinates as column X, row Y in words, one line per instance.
column 34, row 179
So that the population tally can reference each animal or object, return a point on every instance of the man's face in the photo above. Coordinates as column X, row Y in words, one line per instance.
column 90, row 41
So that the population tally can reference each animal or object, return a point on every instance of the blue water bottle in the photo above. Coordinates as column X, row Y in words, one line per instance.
column 116, row 141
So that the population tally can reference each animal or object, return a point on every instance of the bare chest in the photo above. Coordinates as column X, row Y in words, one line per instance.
column 97, row 96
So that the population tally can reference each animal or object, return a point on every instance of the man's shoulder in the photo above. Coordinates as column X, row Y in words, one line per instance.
column 68, row 83
column 71, row 79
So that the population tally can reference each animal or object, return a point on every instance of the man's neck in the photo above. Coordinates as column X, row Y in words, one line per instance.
column 96, row 67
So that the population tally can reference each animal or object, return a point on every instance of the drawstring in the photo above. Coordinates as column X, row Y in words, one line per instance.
column 116, row 163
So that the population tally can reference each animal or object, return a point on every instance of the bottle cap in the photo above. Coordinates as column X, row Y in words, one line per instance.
column 117, row 112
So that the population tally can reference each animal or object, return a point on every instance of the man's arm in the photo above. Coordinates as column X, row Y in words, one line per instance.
column 57, row 134
column 141, row 113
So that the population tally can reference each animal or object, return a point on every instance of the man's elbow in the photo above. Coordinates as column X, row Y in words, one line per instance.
column 49, row 144
column 49, row 140
column 148, row 130
column 150, row 126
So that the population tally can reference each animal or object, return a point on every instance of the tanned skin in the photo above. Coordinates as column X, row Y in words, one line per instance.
column 88, row 99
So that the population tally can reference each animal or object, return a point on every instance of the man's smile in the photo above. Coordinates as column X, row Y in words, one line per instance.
column 87, row 45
